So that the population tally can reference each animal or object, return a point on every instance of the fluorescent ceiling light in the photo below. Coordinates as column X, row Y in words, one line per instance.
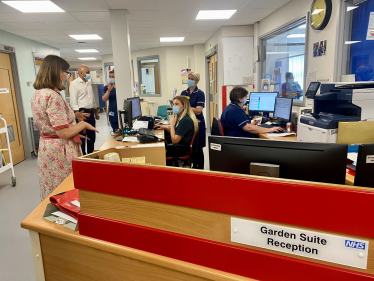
column 87, row 58
column 351, row 8
column 302, row 26
column 87, row 51
column 296, row 36
column 351, row 42
column 317, row 11
column 35, row 6
column 171, row 39
column 86, row 37
column 215, row 14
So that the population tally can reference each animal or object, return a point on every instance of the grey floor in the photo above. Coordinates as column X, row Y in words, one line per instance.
column 16, row 203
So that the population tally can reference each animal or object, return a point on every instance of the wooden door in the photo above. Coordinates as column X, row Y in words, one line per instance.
column 213, row 88
column 9, row 111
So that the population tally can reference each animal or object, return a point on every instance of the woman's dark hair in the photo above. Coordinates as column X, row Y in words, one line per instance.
column 111, row 72
column 238, row 93
column 49, row 75
column 288, row 75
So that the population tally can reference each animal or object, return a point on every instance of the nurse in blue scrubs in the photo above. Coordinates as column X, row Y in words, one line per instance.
column 110, row 94
column 292, row 86
column 235, row 122
column 197, row 102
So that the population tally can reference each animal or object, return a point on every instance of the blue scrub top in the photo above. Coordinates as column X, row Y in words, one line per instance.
column 112, row 104
column 294, row 88
column 197, row 98
column 233, row 120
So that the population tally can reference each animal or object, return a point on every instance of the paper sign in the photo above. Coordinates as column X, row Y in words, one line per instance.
column 370, row 34
column 64, row 216
column 76, row 203
column 215, row 146
column 370, row 159
column 247, row 80
column 4, row 90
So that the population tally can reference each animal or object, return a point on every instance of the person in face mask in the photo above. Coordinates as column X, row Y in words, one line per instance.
column 82, row 99
column 235, row 122
column 183, row 125
column 110, row 94
column 55, row 121
column 197, row 102
column 291, row 89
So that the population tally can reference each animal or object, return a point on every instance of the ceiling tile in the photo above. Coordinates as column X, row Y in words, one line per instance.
column 256, row 13
column 262, row 4
column 100, row 31
column 67, row 50
column 77, row 31
column 172, row 31
column 174, row 5
column 45, row 32
column 82, row 5
column 242, row 21
column 211, row 29
column 171, row 44
column 58, row 17
column 139, row 5
column 5, row 9
column 198, row 23
column 32, row 37
column 146, row 23
column 66, row 25
column 28, row 25
column 6, row 27
column 174, row 23
column 176, row 15
column 141, row 15
column 144, row 35
column 91, row 16
column 16, row 17
column 19, row 32
column 140, row 30
column 223, row 4
column 155, row 39
column 97, row 24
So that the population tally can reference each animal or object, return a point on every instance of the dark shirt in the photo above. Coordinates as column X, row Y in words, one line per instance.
column 113, row 117
column 233, row 120
column 185, row 129
column 197, row 98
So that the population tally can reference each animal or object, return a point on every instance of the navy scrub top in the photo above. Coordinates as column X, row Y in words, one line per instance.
column 197, row 98
column 113, row 117
column 233, row 120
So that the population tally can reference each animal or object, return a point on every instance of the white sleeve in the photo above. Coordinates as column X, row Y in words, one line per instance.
column 94, row 99
column 73, row 91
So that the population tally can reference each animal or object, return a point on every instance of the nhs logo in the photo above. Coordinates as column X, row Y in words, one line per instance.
column 354, row 244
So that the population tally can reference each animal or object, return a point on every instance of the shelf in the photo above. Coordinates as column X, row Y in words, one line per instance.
column 5, row 168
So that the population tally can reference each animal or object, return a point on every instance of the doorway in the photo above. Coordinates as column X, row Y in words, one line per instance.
column 9, row 111
column 212, row 97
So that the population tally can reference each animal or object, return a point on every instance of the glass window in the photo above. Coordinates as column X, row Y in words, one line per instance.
column 149, row 77
column 359, row 41
column 283, row 61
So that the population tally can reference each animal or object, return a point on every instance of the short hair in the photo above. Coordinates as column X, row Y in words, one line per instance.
column 49, row 75
column 196, row 75
column 288, row 74
column 111, row 72
column 238, row 93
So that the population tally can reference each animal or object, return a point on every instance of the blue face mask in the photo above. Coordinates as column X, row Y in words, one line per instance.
column 88, row 76
column 176, row 110
column 244, row 102
column 290, row 81
column 65, row 84
column 190, row 83
column 112, row 81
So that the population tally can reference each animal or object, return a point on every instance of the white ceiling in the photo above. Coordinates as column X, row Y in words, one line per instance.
column 149, row 20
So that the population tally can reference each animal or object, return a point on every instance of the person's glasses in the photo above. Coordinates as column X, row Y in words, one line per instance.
column 67, row 73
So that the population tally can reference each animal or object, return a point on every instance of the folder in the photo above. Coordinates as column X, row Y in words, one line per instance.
column 356, row 132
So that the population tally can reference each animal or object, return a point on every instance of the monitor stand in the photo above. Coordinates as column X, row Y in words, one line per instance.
column 264, row 170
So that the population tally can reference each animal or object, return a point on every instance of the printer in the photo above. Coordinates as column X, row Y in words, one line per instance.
column 339, row 102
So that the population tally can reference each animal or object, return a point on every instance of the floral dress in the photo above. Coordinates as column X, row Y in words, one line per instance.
column 51, row 113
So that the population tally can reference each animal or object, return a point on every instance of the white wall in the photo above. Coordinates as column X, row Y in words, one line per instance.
column 26, row 67
column 76, row 64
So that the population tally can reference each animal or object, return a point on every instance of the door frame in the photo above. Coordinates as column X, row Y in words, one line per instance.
column 213, row 51
column 22, row 118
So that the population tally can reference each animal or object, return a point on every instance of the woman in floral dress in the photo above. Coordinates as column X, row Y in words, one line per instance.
column 59, row 134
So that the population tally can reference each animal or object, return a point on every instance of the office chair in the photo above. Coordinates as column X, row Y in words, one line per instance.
column 176, row 149
column 217, row 129
column 162, row 111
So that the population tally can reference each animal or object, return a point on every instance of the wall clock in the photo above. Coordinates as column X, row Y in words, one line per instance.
column 320, row 14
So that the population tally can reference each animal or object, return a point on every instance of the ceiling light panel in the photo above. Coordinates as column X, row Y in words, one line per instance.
column 86, row 37
column 87, row 51
column 35, row 6
column 171, row 39
column 87, row 58
column 215, row 14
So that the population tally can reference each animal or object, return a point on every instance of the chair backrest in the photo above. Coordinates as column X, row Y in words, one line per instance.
column 162, row 111
column 217, row 129
column 194, row 143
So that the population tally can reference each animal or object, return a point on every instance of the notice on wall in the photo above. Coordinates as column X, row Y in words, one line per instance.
column 4, row 90
column 311, row 244
column 370, row 34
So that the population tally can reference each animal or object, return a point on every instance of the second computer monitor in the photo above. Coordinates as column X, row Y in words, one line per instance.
column 283, row 109
column 136, row 108
column 262, row 102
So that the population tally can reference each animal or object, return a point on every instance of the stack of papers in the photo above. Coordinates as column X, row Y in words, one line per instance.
column 130, row 139
column 275, row 135
column 352, row 156
column 160, row 144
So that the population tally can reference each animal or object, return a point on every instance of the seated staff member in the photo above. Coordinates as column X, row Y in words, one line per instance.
column 197, row 102
column 234, row 120
column 110, row 94
column 291, row 87
column 183, row 125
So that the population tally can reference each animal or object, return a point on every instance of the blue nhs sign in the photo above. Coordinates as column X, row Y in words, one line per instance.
column 354, row 244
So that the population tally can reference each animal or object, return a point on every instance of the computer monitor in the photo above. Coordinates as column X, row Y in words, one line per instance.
column 262, row 102
column 283, row 109
column 136, row 108
column 318, row 162
column 127, row 106
column 364, row 166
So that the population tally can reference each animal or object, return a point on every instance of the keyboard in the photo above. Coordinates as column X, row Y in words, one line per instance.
column 143, row 131
column 266, row 126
